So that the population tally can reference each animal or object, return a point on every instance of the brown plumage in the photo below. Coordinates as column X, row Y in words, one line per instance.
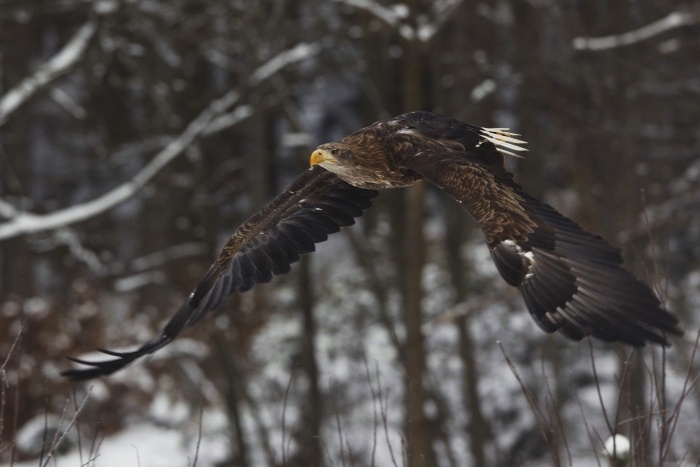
column 572, row 281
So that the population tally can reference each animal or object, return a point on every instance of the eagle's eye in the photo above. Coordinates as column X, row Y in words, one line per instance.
column 334, row 152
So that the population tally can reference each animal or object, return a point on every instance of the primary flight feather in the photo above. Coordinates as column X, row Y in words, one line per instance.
column 572, row 281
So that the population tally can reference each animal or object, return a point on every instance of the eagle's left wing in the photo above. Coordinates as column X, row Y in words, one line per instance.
column 315, row 205
column 572, row 281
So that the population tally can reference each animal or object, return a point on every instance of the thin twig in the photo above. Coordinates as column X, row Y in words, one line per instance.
column 199, row 434
column 688, row 384
column 554, row 410
column 77, row 426
column 57, row 443
column 374, row 410
column 528, row 395
column 46, row 425
column 339, row 430
column 3, row 376
column 12, row 347
column 94, row 452
column 611, row 429
column 284, row 416
column 383, row 404
column 584, row 417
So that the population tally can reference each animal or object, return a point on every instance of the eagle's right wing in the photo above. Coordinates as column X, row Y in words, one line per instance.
column 316, row 204
column 572, row 281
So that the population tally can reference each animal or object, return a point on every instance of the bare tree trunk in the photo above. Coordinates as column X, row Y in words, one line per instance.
column 16, row 273
column 418, row 443
column 417, row 439
column 311, row 450
column 228, row 345
column 457, row 229
column 233, row 398
column 479, row 430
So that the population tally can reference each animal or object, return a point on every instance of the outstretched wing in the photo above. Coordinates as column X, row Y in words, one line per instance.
column 572, row 281
column 316, row 204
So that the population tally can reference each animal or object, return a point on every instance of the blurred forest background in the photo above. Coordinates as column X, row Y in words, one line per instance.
column 135, row 136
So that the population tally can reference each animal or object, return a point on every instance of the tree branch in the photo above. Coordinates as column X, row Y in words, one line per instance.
column 216, row 116
column 673, row 20
column 59, row 65
column 391, row 17
column 396, row 16
column 26, row 223
column 442, row 12
column 282, row 59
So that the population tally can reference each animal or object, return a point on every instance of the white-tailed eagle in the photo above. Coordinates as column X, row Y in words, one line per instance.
column 572, row 281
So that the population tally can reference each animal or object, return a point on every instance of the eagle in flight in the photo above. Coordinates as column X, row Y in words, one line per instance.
column 572, row 281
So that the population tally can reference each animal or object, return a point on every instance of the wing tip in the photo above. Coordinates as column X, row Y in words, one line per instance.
column 101, row 368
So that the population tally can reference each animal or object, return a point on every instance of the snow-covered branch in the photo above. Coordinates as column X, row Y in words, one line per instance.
column 396, row 16
column 68, row 238
column 674, row 20
column 57, row 66
column 217, row 116
column 7, row 210
column 159, row 258
column 281, row 60
column 26, row 223
column 390, row 16
column 146, row 268
column 442, row 11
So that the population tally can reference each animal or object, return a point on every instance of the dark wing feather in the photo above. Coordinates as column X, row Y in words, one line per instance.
column 572, row 281
column 450, row 136
column 316, row 204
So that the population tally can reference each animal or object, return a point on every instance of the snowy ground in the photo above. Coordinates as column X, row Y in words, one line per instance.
column 144, row 446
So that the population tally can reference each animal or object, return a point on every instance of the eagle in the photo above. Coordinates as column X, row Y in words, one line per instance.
column 572, row 281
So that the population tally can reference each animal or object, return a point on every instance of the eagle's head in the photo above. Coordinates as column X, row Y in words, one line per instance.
column 340, row 159
column 362, row 163
column 332, row 155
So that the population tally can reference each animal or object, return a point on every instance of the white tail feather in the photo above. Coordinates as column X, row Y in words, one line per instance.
column 504, row 140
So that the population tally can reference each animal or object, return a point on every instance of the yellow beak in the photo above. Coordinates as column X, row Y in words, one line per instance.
column 321, row 155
